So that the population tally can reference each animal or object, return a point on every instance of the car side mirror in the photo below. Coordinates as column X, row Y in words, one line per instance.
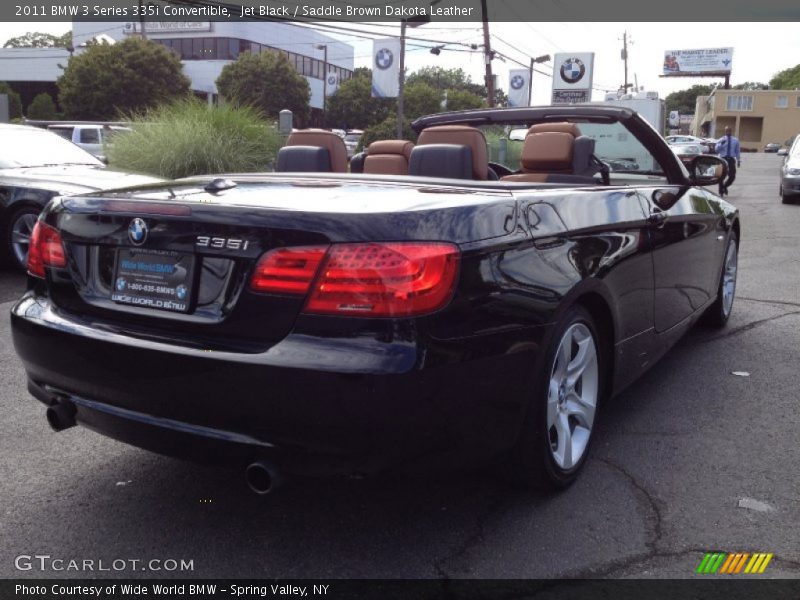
column 707, row 170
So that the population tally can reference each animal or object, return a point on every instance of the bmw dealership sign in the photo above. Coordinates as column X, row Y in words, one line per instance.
column 572, row 77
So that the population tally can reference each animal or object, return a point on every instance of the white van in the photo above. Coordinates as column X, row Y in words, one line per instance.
column 92, row 138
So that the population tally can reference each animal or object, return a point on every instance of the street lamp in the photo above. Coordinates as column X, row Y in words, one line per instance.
column 539, row 59
column 324, row 76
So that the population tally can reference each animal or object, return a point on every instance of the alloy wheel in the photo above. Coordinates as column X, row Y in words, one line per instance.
column 21, row 231
column 572, row 396
column 729, row 277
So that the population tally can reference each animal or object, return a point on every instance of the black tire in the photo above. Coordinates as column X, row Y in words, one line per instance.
column 717, row 314
column 18, row 219
column 533, row 463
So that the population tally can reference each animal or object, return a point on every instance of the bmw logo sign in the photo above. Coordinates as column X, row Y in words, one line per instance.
column 137, row 231
column 332, row 80
column 121, row 284
column 180, row 292
column 573, row 70
column 384, row 59
column 517, row 81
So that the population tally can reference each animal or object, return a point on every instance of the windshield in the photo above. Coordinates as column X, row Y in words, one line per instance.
column 31, row 147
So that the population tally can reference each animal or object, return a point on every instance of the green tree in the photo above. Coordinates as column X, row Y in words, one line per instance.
column 788, row 79
column 751, row 85
column 353, row 107
column 42, row 108
column 446, row 79
column 386, row 130
column 684, row 100
column 37, row 39
column 267, row 82
column 108, row 80
column 14, row 101
column 421, row 99
column 463, row 100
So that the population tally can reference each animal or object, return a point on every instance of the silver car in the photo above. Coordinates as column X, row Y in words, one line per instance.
column 790, row 174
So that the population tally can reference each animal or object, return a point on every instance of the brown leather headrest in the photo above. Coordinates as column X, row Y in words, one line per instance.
column 547, row 151
column 325, row 139
column 461, row 135
column 570, row 128
column 403, row 147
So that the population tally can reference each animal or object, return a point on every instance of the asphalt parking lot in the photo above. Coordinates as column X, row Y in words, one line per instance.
column 700, row 455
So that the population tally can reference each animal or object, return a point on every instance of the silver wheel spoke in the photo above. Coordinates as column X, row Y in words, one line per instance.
column 583, row 358
column 552, row 403
column 17, row 237
column 582, row 410
column 562, row 358
column 564, row 441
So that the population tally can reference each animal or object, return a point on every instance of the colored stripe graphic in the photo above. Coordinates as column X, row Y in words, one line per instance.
column 734, row 563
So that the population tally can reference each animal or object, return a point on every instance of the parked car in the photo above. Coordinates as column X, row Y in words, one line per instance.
column 772, row 147
column 93, row 138
column 790, row 174
column 351, row 141
column 440, row 307
column 707, row 144
column 36, row 165
column 687, row 152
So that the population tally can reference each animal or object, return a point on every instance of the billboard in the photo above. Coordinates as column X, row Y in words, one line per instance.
column 519, row 84
column 386, row 68
column 572, row 77
column 707, row 61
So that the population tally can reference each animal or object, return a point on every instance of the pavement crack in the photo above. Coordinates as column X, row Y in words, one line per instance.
column 655, row 531
column 748, row 327
column 762, row 301
column 473, row 540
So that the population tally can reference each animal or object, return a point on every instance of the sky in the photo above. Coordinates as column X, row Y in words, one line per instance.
column 760, row 49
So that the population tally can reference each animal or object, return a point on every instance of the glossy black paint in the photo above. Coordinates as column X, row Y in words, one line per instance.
column 249, row 374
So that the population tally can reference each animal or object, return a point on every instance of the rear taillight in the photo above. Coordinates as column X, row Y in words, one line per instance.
column 400, row 279
column 46, row 249
column 287, row 270
column 393, row 279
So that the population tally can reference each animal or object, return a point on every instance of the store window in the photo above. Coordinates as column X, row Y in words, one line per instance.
column 739, row 103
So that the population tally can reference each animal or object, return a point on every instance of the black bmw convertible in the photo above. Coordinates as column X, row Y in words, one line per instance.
column 458, row 298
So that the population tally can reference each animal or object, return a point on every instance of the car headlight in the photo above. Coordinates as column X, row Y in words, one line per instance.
column 794, row 172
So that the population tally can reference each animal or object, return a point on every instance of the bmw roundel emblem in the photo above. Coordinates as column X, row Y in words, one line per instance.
column 573, row 70
column 331, row 79
column 181, row 291
column 517, row 81
column 121, row 284
column 384, row 59
column 137, row 231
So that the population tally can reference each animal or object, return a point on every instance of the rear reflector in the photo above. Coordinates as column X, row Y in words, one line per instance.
column 287, row 270
column 45, row 250
column 399, row 279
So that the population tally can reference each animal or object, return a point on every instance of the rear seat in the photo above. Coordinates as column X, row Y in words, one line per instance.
column 297, row 154
column 388, row 157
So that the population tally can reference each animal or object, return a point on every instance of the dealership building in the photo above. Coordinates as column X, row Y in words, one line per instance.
column 756, row 117
column 204, row 48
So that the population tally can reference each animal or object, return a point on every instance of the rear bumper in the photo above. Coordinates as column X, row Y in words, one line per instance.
column 309, row 404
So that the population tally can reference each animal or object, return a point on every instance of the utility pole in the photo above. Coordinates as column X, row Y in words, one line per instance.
column 487, row 55
column 402, row 80
column 624, row 56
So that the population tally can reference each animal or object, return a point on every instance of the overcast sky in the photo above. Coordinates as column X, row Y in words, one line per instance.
column 760, row 49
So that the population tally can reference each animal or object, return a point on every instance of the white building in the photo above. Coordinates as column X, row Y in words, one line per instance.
column 204, row 47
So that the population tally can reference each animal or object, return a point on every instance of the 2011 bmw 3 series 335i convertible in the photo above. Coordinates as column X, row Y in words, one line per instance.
column 474, row 296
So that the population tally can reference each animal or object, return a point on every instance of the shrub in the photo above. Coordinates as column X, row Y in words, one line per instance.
column 189, row 138
column 42, row 108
